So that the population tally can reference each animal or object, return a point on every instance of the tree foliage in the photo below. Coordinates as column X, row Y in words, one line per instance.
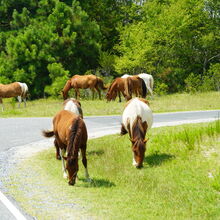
column 45, row 42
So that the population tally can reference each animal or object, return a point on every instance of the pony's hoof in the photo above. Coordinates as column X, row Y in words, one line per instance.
column 65, row 176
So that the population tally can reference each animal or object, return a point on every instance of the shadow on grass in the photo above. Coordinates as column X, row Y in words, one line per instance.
column 157, row 159
column 98, row 183
column 95, row 152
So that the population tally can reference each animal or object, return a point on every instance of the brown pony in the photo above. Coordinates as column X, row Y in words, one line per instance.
column 13, row 90
column 137, row 86
column 83, row 82
column 137, row 119
column 70, row 134
column 119, row 85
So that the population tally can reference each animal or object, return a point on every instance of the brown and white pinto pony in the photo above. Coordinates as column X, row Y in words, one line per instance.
column 118, row 86
column 12, row 90
column 74, row 106
column 83, row 82
column 137, row 119
column 71, row 136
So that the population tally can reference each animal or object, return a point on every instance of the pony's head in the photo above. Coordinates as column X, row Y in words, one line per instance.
column 72, row 168
column 66, row 89
column 64, row 94
column 111, row 95
column 138, row 148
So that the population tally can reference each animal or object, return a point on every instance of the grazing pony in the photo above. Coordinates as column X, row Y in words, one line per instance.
column 119, row 85
column 137, row 119
column 83, row 82
column 12, row 90
column 148, row 79
column 136, row 86
column 73, row 105
column 71, row 136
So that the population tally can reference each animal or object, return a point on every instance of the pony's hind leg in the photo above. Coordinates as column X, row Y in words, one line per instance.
column 57, row 150
column 84, row 161
column 19, row 101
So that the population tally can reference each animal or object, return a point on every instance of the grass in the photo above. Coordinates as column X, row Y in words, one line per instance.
column 180, row 179
column 166, row 103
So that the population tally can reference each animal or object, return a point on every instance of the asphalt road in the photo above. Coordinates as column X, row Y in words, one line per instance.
column 23, row 131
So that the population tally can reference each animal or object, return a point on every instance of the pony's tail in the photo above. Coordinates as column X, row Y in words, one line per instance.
column 48, row 134
column 24, row 89
column 74, row 134
column 144, row 88
column 100, row 84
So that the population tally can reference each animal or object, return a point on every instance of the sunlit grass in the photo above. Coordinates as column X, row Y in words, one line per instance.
column 166, row 103
column 180, row 179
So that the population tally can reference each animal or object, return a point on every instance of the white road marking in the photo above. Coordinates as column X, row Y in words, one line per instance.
column 17, row 214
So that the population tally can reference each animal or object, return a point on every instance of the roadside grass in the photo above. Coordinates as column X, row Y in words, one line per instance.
column 167, row 103
column 180, row 179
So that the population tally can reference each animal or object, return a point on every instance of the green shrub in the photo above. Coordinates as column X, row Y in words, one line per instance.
column 59, row 76
column 161, row 88
column 192, row 83
column 214, row 71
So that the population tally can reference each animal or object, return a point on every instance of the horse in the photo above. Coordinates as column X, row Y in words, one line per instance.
column 73, row 105
column 148, row 79
column 12, row 90
column 83, row 82
column 136, row 86
column 137, row 119
column 71, row 136
column 119, row 85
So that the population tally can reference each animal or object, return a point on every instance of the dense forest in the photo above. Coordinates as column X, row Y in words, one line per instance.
column 44, row 42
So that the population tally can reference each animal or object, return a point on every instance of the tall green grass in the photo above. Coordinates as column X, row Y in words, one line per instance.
column 180, row 179
column 166, row 103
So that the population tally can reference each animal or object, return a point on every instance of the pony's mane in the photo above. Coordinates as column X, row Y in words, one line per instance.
column 75, row 133
column 110, row 87
column 137, row 128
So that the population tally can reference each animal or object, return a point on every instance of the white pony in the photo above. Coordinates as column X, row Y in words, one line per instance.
column 73, row 105
column 148, row 79
column 137, row 119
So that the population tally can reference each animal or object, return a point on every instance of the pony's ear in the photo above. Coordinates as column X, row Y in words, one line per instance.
column 146, row 140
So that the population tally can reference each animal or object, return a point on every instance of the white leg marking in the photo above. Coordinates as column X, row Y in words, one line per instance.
column 134, row 162
column 62, row 153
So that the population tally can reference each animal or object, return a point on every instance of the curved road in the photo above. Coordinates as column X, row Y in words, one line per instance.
column 15, row 133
